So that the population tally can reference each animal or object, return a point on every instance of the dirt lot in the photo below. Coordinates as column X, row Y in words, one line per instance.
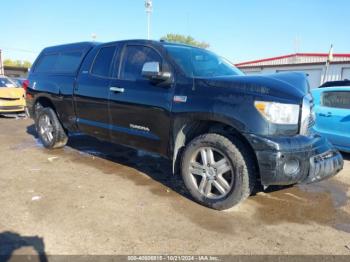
column 93, row 198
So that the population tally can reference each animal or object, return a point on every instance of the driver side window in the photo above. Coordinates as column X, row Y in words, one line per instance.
column 133, row 60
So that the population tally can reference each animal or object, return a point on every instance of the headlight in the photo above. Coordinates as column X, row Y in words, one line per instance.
column 277, row 113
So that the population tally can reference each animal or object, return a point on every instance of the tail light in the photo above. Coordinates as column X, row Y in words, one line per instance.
column 25, row 84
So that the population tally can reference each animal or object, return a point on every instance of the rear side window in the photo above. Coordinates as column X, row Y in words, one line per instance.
column 335, row 99
column 46, row 63
column 134, row 59
column 67, row 62
column 103, row 61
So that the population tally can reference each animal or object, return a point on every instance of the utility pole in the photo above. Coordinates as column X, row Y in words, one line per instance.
column 1, row 64
column 296, row 44
column 149, row 9
column 329, row 60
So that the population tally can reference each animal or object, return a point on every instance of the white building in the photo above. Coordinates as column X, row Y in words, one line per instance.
column 312, row 64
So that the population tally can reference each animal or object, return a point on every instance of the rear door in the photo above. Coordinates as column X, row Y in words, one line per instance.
column 333, row 116
column 92, row 92
column 140, row 109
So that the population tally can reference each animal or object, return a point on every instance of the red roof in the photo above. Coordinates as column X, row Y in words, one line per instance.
column 292, row 55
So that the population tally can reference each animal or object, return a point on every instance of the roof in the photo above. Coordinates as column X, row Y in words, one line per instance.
column 83, row 45
column 345, row 82
column 330, row 89
column 295, row 59
column 146, row 41
column 69, row 47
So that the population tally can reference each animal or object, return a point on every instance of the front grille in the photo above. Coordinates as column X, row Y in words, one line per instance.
column 307, row 116
column 11, row 107
column 9, row 99
column 312, row 120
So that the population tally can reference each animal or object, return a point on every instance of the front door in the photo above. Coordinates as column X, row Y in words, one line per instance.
column 92, row 92
column 139, row 109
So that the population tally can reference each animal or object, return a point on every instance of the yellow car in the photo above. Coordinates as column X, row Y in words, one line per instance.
column 12, row 97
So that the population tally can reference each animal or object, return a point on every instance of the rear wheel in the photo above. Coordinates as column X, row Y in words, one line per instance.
column 49, row 128
column 218, row 172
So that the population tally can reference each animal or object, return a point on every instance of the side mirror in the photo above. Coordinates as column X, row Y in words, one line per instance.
column 151, row 70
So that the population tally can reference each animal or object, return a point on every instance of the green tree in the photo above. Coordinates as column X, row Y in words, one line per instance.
column 27, row 64
column 19, row 63
column 188, row 40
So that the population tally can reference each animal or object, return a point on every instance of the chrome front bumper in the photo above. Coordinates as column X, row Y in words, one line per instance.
column 324, row 166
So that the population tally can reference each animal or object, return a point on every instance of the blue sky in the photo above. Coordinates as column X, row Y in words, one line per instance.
column 239, row 30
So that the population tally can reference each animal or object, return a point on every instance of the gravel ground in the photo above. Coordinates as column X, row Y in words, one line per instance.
column 95, row 198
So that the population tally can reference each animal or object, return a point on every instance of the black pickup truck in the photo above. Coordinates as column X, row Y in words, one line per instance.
column 224, row 131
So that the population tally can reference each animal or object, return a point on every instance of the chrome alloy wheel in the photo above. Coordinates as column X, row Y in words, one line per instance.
column 211, row 172
column 46, row 128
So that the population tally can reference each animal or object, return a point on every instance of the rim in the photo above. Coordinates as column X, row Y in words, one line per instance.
column 211, row 173
column 46, row 128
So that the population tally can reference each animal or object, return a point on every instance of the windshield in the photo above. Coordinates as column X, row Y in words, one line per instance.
column 5, row 82
column 17, row 82
column 196, row 62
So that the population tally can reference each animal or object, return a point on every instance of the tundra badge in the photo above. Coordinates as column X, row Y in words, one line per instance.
column 180, row 99
column 143, row 128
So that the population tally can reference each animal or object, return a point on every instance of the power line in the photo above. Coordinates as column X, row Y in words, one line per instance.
column 19, row 50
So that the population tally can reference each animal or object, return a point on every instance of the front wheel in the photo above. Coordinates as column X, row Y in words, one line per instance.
column 49, row 128
column 218, row 172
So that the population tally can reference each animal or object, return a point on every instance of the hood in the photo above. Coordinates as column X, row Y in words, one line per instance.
column 11, row 92
column 287, row 86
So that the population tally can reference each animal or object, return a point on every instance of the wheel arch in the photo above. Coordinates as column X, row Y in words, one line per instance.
column 44, row 101
column 185, row 130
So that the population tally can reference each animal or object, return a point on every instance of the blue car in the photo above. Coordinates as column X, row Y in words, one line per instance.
column 332, row 109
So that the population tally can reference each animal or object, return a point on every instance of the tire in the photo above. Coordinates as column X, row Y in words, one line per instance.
column 49, row 128
column 226, row 154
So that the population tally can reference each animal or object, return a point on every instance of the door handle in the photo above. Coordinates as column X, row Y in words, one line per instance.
column 329, row 114
column 116, row 89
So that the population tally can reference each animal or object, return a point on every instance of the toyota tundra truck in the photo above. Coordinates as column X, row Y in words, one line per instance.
column 224, row 131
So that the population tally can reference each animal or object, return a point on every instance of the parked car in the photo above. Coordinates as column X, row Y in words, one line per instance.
column 332, row 109
column 340, row 83
column 12, row 98
column 224, row 131
column 19, row 81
